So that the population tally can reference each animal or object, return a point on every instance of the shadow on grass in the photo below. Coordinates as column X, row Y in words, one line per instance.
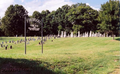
column 23, row 66
column 118, row 39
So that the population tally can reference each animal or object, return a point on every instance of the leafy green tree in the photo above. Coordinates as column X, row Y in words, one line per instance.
column 1, row 32
column 36, row 15
column 76, row 28
column 62, row 19
column 108, row 17
column 13, row 21
column 46, row 25
column 83, row 16
column 52, row 23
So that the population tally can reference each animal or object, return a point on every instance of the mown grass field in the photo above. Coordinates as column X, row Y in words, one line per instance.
column 93, row 55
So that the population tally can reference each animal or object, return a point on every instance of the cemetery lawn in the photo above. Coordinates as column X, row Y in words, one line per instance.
column 92, row 55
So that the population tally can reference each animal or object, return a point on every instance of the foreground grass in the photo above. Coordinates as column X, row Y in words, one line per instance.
column 94, row 55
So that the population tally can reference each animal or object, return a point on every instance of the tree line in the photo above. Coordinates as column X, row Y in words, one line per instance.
column 77, row 17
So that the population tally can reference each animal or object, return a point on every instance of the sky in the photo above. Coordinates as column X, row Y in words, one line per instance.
column 39, row 5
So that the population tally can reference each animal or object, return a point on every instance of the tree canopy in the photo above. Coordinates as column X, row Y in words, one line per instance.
column 13, row 21
column 108, row 17
column 77, row 17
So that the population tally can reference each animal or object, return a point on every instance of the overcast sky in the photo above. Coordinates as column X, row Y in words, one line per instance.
column 39, row 5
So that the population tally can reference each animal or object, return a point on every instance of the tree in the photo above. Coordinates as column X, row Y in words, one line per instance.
column 62, row 19
column 83, row 18
column 1, row 32
column 46, row 23
column 13, row 21
column 52, row 23
column 108, row 17
column 37, row 15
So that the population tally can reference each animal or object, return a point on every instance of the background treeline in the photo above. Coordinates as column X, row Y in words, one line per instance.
column 77, row 17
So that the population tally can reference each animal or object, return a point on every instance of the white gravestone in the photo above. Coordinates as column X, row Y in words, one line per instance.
column 65, row 34
column 71, row 34
column 61, row 33
column 58, row 33
column 78, row 33
column 90, row 34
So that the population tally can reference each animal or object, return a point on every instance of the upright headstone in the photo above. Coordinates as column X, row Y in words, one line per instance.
column 114, row 35
column 5, row 47
column 65, row 34
column 61, row 33
column 83, row 35
column 78, row 33
column 90, row 35
column 98, row 34
column 93, row 34
column 58, row 33
column 9, row 41
column 106, row 35
column 71, row 34
column 11, row 47
column 87, row 34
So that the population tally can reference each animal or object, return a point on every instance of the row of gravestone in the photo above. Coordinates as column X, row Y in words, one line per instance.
column 86, row 34
column 4, row 44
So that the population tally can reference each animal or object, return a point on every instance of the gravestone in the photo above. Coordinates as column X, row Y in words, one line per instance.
column 51, row 37
column 86, row 34
column 18, row 41
column 11, row 47
column 106, row 35
column 95, row 35
column 12, row 41
column 9, row 41
column 90, row 35
column 2, row 42
column 61, row 33
column 114, row 35
column 71, row 34
column 5, row 47
column 78, row 33
column 83, row 34
column 98, row 34
column 65, row 34
column 58, row 33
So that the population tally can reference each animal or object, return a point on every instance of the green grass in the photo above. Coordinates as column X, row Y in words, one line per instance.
column 92, row 55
